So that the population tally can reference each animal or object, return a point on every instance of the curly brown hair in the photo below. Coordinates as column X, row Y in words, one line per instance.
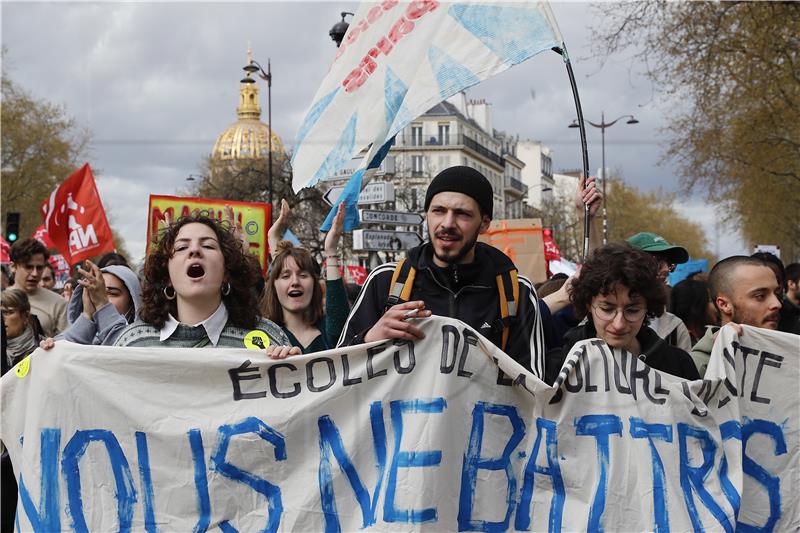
column 271, row 307
column 240, row 273
column 619, row 264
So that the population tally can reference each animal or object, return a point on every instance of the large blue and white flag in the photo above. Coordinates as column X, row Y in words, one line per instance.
column 399, row 59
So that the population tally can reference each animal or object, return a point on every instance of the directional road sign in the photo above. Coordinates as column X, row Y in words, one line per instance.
column 364, row 239
column 376, row 192
column 389, row 217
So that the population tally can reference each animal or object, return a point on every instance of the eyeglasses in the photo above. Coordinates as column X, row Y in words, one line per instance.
column 609, row 312
column 37, row 268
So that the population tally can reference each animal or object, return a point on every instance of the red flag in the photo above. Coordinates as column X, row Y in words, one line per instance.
column 357, row 273
column 41, row 235
column 75, row 220
column 4, row 249
column 551, row 251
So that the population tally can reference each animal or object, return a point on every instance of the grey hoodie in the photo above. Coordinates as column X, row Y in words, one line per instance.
column 106, row 324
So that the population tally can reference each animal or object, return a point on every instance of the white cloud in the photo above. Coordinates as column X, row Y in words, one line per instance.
column 724, row 238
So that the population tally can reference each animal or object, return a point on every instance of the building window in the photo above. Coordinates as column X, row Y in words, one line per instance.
column 389, row 165
column 444, row 134
column 547, row 166
column 416, row 164
column 416, row 135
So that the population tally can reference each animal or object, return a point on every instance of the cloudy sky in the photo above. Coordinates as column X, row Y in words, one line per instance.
column 157, row 82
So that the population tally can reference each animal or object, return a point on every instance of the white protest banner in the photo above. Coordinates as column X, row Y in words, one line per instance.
column 396, row 61
column 398, row 436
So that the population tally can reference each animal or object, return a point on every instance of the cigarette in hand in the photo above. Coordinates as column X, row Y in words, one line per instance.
column 410, row 314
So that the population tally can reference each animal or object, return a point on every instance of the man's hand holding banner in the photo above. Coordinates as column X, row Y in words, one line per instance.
column 445, row 434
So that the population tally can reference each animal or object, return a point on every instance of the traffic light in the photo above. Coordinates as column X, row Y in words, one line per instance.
column 12, row 227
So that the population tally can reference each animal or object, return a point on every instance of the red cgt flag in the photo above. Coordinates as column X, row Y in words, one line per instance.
column 75, row 220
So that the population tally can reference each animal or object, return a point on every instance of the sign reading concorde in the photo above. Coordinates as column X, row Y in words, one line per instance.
column 364, row 239
column 389, row 217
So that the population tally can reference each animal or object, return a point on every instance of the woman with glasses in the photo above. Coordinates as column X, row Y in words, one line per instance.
column 617, row 292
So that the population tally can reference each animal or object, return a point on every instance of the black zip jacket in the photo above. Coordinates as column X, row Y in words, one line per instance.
column 656, row 353
column 466, row 292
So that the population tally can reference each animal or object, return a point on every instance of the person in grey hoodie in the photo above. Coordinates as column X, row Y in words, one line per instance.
column 104, row 302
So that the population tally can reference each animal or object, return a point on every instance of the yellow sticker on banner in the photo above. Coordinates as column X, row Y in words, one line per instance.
column 256, row 340
column 23, row 367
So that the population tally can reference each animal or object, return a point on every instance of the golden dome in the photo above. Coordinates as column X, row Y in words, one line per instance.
column 248, row 137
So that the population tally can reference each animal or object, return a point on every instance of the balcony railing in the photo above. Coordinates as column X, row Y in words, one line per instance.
column 450, row 140
column 516, row 185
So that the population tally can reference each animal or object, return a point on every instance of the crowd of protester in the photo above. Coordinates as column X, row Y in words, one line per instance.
column 199, row 287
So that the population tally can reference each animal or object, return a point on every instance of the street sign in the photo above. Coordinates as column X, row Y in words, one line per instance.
column 389, row 217
column 387, row 165
column 364, row 239
column 376, row 192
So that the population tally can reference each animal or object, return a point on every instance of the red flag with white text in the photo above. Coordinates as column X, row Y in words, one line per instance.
column 551, row 251
column 75, row 220
column 41, row 235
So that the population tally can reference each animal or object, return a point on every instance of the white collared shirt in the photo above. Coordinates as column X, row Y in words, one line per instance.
column 213, row 325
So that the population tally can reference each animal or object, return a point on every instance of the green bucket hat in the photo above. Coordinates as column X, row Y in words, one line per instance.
column 657, row 245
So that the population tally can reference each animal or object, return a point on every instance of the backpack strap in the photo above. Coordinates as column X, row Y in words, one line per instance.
column 672, row 338
column 401, row 284
column 508, row 291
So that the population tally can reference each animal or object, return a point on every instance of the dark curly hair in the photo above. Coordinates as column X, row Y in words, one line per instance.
column 240, row 272
column 619, row 264
column 272, row 308
column 689, row 302
column 22, row 251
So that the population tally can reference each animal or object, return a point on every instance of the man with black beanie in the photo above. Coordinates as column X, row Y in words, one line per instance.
column 455, row 276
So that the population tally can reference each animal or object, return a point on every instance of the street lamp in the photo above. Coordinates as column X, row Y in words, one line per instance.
column 251, row 68
column 602, row 126
column 339, row 29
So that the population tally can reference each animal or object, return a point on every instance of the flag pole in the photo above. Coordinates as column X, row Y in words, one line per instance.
column 562, row 51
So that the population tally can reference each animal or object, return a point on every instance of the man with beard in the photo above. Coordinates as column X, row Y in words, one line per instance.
column 456, row 276
column 744, row 291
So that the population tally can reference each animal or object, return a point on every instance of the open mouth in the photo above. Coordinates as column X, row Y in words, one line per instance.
column 195, row 271
column 448, row 237
column 295, row 293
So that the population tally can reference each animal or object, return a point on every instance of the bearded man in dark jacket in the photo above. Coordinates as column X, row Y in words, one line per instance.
column 456, row 276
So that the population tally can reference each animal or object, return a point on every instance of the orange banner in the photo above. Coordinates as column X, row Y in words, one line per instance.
column 521, row 240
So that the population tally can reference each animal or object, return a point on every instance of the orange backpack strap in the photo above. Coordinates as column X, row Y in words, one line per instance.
column 508, row 291
column 401, row 284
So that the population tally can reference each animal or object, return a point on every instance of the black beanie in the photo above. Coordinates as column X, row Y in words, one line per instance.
column 465, row 180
